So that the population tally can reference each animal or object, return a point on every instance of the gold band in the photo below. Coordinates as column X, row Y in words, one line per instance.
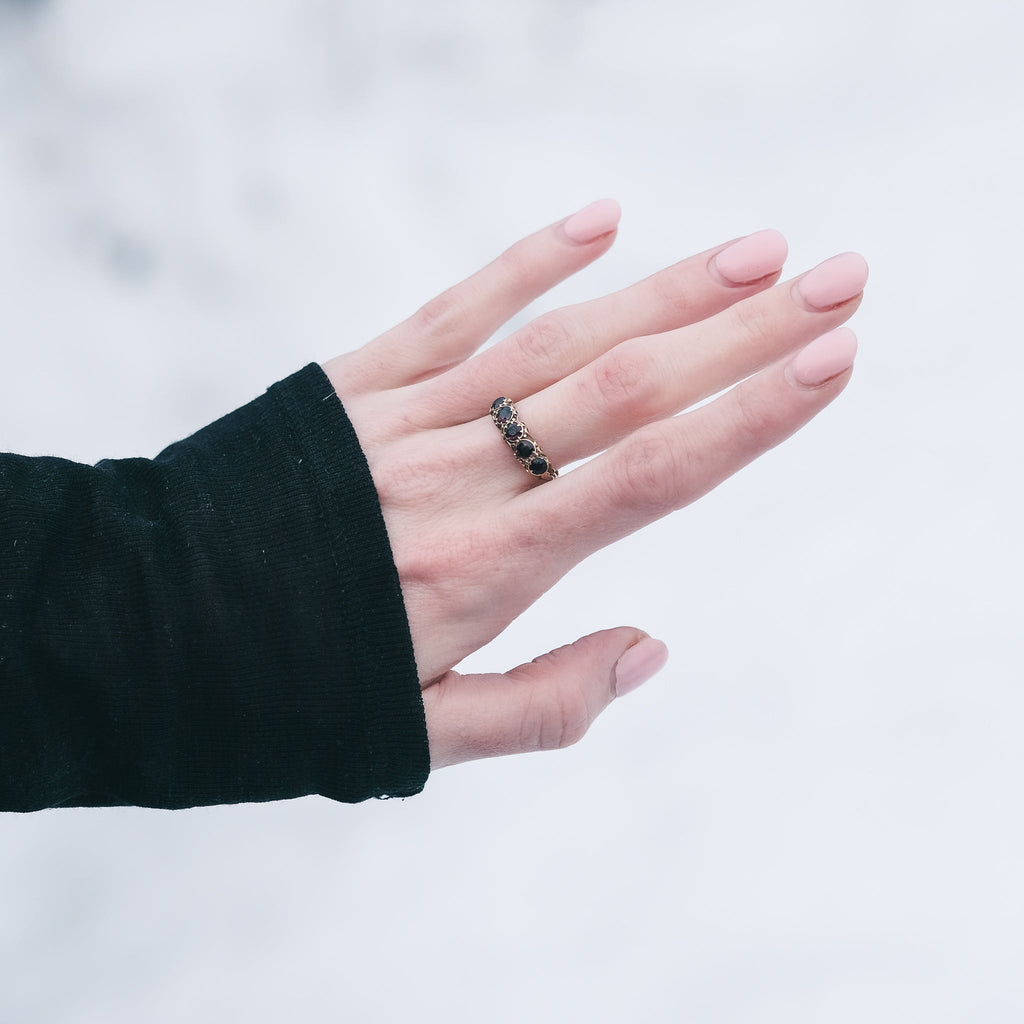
column 524, row 446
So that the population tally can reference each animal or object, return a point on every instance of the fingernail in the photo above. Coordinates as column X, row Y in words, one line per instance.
column 825, row 358
column 638, row 664
column 833, row 281
column 593, row 221
column 751, row 258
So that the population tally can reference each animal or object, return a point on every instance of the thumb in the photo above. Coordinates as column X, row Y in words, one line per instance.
column 544, row 705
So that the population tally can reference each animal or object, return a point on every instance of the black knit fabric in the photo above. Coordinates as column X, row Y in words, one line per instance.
column 221, row 624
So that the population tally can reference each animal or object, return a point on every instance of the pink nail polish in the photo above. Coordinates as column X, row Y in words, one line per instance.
column 833, row 281
column 751, row 258
column 638, row 664
column 825, row 358
column 593, row 221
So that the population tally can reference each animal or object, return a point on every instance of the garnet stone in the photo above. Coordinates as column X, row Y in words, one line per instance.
column 538, row 467
column 498, row 403
column 514, row 431
column 525, row 449
column 503, row 415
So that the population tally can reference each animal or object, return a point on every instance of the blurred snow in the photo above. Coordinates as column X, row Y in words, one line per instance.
column 814, row 813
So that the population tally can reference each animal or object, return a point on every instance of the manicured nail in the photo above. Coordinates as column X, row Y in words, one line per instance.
column 825, row 358
column 751, row 258
column 638, row 664
column 593, row 221
column 833, row 281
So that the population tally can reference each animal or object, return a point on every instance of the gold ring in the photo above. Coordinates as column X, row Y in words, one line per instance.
column 524, row 446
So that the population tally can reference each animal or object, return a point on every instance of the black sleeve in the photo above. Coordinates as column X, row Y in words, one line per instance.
column 221, row 624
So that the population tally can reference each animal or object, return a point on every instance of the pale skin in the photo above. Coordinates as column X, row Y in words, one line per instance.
column 609, row 376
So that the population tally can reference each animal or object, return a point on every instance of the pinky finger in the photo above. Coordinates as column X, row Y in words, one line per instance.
column 452, row 326
column 667, row 465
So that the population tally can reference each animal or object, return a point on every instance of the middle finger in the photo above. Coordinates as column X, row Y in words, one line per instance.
column 646, row 379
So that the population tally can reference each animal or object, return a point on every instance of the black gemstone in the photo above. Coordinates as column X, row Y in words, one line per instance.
column 525, row 449
column 514, row 431
column 538, row 467
column 497, row 404
column 504, row 414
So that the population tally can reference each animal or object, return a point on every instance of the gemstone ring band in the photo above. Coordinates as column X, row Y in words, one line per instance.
column 524, row 446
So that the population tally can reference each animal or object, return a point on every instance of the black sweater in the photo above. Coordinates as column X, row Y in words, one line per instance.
column 221, row 624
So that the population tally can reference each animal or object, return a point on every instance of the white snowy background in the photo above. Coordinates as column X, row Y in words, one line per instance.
column 814, row 814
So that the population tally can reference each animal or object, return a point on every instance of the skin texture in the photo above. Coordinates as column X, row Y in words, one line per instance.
column 626, row 364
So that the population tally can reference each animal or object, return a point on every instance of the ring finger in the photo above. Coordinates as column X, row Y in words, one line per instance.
column 647, row 379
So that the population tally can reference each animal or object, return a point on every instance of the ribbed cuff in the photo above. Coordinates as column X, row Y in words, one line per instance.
column 370, row 628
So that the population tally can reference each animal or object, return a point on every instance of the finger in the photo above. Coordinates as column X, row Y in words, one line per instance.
column 544, row 705
column 453, row 325
column 556, row 344
column 646, row 379
column 669, row 464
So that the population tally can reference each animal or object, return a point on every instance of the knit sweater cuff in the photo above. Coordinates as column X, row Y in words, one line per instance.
column 223, row 623
column 381, row 740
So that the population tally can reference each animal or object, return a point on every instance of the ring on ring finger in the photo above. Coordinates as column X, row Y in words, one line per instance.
column 523, row 445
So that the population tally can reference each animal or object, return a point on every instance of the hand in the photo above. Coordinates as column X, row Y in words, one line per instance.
column 476, row 540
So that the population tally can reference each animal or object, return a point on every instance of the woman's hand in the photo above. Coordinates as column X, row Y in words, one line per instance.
column 477, row 540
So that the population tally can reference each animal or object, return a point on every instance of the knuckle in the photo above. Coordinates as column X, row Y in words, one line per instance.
column 673, row 295
column 754, row 420
column 623, row 381
column 572, row 723
column 541, row 344
column 754, row 322
column 557, row 718
column 651, row 470
column 442, row 314
column 400, row 480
